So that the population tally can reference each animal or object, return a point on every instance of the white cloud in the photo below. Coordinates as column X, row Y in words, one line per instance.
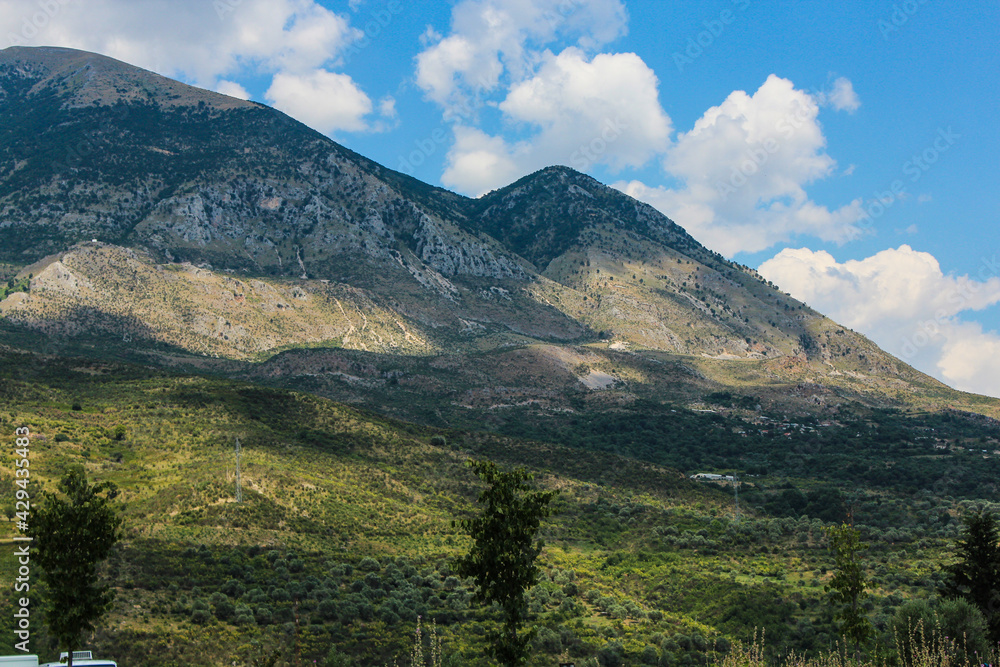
column 578, row 112
column 842, row 97
column 492, row 37
column 387, row 107
column 574, row 100
column 478, row 162
column 196, row 40
column 325, row 101
column 232, row 89
column 745, row 165
column 903, row 301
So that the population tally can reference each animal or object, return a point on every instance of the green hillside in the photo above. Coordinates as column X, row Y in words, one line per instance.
column 346, row 522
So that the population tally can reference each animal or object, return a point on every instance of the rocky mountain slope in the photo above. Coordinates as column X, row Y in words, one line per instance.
column 182, row 225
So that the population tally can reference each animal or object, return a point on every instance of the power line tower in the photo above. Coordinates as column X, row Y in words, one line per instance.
column 239, row 486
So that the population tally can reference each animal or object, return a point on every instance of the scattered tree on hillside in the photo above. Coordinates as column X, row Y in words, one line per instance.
column 502, row 558
column 849, row 584
column 976, row 575
column 73, row 532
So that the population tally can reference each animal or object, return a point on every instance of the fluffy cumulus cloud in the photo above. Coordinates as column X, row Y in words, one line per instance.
column 491, row 38
column 325, row 101
column 744, row 167
column 905, row 303
column 202, row 42
column 197, row 40
column 574, row 106
column 577, row 111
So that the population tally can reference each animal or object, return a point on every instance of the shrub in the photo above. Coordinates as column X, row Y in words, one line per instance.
column 233, row 588
column 256, row 596
column 200, row 616
column 548, row 641
column 224, row 609
column 919, row 625
column 263, row 615
column 327, row 610
column 369, row 564
column 611, row 654
column 348, row 612
column 296, row 590
column 649, row 656
column 337, row 659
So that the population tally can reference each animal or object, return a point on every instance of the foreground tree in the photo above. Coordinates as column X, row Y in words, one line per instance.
column 502, row 558
column 926, row 628
column 849, row 584
column 976, row 574
column 73, row 532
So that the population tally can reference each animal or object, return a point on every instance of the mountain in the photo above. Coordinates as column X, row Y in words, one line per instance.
column 185, row 226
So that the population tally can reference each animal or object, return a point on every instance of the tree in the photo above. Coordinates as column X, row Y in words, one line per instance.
column 72, row 534
column 976, row 574
column 502, row 558
column 920, row 628
column 849, row 584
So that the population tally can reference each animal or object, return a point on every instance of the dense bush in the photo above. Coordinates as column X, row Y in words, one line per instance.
column 918, row 620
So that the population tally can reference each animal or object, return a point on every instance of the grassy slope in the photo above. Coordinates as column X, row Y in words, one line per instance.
column 653, row 559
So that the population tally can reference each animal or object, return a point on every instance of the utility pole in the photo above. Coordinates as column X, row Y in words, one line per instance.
column 736, row 493
column 239, row 487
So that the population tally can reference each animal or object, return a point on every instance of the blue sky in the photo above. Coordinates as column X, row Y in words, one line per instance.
column 850, row 152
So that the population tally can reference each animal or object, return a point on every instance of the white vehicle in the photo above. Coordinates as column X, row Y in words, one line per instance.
column 81, row 658
column 19, row 660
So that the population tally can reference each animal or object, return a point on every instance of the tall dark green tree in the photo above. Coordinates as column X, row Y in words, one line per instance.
column 849, row 584
column 502, row 557
column 975, row 576
column 73, row 532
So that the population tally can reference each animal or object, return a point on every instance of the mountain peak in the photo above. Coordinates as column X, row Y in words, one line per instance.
column 86, row 79
column 544, row 214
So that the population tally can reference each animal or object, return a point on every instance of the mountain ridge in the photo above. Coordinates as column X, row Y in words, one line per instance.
column 215, row 193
